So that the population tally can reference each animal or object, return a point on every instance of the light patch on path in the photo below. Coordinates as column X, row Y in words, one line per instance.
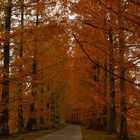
column 71, row 132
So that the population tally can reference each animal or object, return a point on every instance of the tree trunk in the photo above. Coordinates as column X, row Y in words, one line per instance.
column 20, row 106
column 123, row 116
column 112, row 112
column 33, row 112
column 123, row 134
column 105, row 119
column 5, row 81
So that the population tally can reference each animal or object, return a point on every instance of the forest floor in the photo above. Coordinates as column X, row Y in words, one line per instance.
column 33, row 134
column 89, row 134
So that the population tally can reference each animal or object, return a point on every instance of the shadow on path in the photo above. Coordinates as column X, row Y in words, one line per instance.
column 71, row 132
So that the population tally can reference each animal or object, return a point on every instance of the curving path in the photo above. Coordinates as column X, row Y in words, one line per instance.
column 71, row 132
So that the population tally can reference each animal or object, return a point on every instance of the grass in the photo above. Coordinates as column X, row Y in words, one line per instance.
column 32, row 135
column 89, row 134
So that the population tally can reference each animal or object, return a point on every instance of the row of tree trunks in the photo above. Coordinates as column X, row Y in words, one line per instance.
column 23, row 69
column 111, row 115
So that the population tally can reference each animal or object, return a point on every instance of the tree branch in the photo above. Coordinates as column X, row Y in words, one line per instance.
column 81, row 46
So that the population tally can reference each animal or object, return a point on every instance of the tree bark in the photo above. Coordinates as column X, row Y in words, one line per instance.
column 33, row 119
column 111, row 108
column 123, row 116
column 5, row 81
column 123, row 134
column 105, row 109
column 20, row 106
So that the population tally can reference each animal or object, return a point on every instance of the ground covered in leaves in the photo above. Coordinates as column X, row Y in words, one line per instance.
column 32, row 135
column 89, row 134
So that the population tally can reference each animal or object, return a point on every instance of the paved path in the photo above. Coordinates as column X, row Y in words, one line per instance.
column 71, row 132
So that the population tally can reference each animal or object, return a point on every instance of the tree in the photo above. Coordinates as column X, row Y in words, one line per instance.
column 6, row 62
column 123, row 118
column 20, row 84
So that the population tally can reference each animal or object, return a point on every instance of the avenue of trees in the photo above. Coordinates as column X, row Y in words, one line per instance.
column 76, row 55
